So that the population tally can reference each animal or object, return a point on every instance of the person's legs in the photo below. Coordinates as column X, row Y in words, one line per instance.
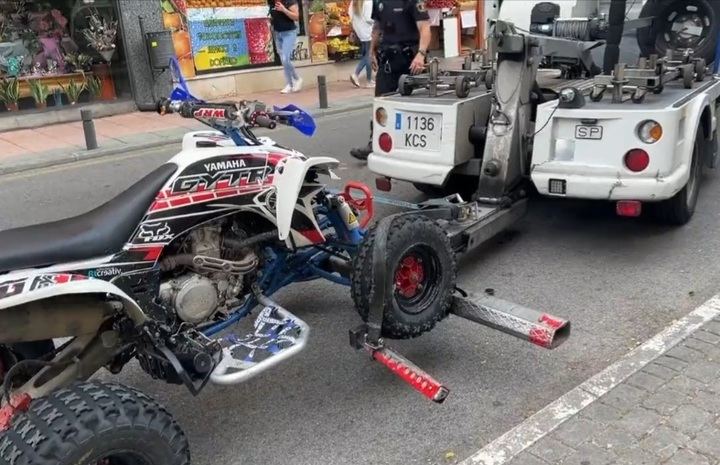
column 289, row 42
column 285, row 48
column 280, row 47
column 368, row 66
column 386, row 83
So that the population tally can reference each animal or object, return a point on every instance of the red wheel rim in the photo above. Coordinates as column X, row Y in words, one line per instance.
column 410, row 276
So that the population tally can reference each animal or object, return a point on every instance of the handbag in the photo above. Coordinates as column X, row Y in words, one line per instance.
column 353, row 39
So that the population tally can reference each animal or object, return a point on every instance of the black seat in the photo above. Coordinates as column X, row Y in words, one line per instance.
column 102, row 231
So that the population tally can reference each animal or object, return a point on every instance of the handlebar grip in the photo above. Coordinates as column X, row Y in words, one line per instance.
column 264, row 121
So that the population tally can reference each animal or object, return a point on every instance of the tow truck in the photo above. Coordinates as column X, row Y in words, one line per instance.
column 634, row 135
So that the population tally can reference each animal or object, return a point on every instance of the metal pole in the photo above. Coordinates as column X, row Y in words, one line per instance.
column 616, row 20
column 89, row 129
column 322, row 91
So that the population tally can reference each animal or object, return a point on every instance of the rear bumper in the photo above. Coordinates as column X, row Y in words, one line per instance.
column 406, row 170
column 592, row 183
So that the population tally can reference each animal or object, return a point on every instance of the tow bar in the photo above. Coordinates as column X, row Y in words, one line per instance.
column 541, row 329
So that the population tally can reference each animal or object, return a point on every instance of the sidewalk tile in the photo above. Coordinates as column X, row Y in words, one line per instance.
column 639, row 421
column 664, row 442
column 577, row 431
column 645, row 381
column 687, row 457
column 690, row 419
column 590, row 454
column 707, row 442
column 550, row 450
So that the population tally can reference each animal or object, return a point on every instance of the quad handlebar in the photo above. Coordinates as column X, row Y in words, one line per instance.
column 242, row 114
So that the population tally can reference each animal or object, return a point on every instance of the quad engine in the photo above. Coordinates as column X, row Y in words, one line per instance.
column 210, row 273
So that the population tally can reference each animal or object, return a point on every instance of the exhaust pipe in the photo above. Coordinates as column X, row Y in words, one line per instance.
column 524, row 323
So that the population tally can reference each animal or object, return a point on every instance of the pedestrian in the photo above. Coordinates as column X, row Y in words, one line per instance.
column 400, row 39
column 361, row 14
column 283, row 16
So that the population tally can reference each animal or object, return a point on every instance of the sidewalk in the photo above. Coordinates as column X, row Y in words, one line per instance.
column 667, row 413
column 25, row 149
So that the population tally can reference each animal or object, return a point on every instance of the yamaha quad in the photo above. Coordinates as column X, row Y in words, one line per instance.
column 162, row 273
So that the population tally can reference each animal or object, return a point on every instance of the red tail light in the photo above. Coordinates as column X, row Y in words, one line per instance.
column 385, row 142
column 637, row 160
column 629, row 208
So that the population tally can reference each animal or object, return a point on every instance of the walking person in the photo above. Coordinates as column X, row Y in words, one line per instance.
column 362, row 22
column 400, row 41
column 283, row 17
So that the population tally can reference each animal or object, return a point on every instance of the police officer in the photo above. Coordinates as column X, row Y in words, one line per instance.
column 401, row 36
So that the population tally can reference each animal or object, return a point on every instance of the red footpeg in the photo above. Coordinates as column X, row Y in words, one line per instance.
column 411, row 374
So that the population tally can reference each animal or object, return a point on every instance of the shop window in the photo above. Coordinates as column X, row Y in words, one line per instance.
column 60, row 52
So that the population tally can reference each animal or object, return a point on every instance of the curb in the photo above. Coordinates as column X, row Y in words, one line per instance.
column 509, row 445
column 55, row 159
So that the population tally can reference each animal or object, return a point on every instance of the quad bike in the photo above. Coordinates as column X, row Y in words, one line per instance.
column 162, row 272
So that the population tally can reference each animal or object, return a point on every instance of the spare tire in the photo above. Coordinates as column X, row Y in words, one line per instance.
column 421, row 273
column 680, row 24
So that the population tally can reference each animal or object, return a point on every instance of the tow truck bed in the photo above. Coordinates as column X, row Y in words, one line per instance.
column 581, row 152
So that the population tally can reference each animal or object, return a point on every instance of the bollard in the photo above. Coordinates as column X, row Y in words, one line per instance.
column 89, row 129
column 322, row 92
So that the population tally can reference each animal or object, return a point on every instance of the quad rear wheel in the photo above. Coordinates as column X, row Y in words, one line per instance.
column 420, row 269
column 94, row 424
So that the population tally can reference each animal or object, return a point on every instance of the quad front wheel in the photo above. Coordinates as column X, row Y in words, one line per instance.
column 94, row 424
column 420, row 269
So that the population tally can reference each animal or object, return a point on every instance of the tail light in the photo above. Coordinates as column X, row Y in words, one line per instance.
column 628, row 208
column 637, row 160
column 650, row 131
column 385, row 142
column 381, row 116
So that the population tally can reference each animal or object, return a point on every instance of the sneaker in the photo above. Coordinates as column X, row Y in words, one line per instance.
column 297, row 85
column 354, row 79
column 361, row 153
column 287, row 89
column 370, row 84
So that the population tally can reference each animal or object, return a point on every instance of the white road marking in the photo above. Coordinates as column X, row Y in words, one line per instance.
column 515, row 441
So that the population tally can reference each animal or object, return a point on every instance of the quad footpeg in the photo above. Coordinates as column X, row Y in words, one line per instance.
column 277, row 335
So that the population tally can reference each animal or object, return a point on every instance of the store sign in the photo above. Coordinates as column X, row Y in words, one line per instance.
column 229, row 37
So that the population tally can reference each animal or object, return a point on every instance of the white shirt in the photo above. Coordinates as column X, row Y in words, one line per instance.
column 362, row 24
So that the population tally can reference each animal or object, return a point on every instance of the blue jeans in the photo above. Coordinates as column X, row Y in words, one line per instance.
column 285, row 44
column 364, row 60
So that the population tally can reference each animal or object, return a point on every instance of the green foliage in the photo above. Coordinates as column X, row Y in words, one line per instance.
column 9, row 90
column 94, row 86
column 73, row 90
column 39, row 91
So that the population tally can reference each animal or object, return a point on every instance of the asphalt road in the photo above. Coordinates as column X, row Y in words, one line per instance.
column 620, row 281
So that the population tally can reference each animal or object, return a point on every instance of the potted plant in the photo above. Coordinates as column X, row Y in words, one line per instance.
column 101, row 35
column 94, row 86
column 10, row 93
column 78, row 62
column 40, row 93
column 73, row 90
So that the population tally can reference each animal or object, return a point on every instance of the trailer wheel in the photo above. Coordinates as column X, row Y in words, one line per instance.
column 94, row 424
column 680, row 24
column 679, row 209
column 404, row 86
column 421, row 270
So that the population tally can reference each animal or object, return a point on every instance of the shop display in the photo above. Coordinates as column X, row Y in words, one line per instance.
column 316, row 31
column 39, row 57
column 338, row 26
column 214, row 35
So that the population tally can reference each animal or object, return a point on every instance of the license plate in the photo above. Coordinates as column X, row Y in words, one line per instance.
column 419, row 131
column 589, row 132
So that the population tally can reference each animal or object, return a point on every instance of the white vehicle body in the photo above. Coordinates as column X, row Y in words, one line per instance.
column 592, row 166
column 425, row 150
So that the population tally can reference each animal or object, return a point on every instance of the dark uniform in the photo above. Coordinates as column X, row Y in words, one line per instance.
column 397, row 20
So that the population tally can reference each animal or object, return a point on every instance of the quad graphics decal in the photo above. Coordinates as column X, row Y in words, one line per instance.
column 18, row 286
